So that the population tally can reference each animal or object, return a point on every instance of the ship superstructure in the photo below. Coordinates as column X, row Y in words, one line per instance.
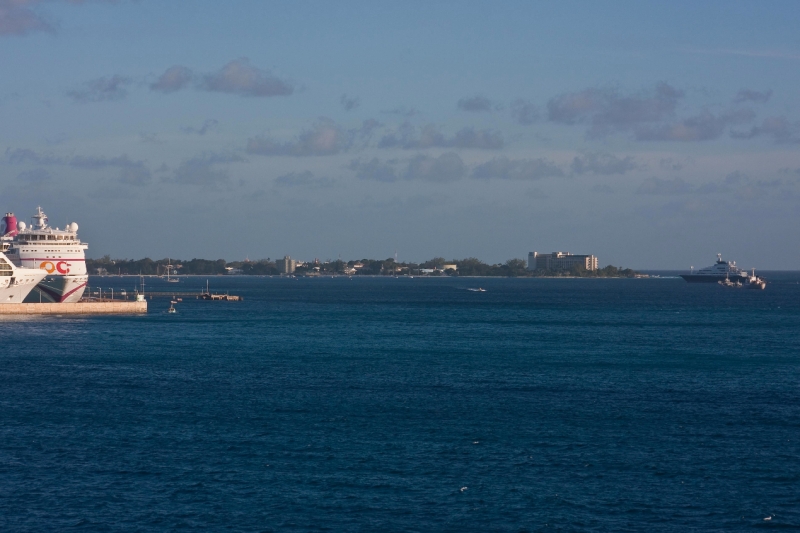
column 16, row 282
column 719, row 271
column 59, row 253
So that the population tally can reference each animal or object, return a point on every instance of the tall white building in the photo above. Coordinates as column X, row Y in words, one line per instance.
column 560, row 261
column 286, row 265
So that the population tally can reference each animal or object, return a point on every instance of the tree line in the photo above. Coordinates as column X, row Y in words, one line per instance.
column 437, row 266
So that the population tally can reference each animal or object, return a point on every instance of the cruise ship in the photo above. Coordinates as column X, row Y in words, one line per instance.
column 59, row 253
column 719, row 271
column 16, row 282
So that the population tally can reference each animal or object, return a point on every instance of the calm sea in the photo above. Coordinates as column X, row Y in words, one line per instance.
column 386, row 404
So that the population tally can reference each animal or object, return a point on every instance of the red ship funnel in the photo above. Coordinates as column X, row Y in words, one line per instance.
column 11, row 225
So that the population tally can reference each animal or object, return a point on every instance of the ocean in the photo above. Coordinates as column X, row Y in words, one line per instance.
column 396, row 404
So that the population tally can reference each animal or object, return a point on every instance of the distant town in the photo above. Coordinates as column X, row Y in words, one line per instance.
column 555, row 264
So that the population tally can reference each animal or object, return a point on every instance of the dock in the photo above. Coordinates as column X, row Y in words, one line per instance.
column 195, row 295
column 225, row 297
column 118, row 307
column 199, row 295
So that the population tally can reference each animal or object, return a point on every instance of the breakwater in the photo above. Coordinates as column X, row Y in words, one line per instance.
column 77, row 308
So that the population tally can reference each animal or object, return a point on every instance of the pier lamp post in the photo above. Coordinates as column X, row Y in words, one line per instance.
column 112, row 292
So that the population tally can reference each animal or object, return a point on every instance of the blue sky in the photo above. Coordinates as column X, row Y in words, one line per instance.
column 653, row 135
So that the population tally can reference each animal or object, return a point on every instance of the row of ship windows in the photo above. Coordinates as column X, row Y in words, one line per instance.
column 47, row 237
column 20, row 281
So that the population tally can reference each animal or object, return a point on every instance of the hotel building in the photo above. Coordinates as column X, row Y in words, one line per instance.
column 560, row 261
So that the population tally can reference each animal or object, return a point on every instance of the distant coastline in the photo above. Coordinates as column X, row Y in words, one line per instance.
column 437, row 267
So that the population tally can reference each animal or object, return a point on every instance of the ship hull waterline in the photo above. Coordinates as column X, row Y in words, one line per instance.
column 695, row 278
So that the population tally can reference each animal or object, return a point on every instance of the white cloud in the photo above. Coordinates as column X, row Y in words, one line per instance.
column 173, row 79
column 240, row 77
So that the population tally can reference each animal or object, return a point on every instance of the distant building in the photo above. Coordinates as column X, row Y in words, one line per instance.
column 286, row 265
column 560, row 261
column 450, row 266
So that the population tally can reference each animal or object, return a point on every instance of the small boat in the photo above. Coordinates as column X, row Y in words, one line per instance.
column 479, row 289
column 754, row 282
column 171, row 308
column 730, row 284
column 169, row 268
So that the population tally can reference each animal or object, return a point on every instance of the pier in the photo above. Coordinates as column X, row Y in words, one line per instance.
column 119, row 307
column 195, row 295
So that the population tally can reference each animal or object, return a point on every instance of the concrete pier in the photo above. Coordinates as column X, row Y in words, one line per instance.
column 79, row 308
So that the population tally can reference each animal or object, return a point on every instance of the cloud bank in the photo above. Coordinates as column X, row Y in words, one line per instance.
column 524, row 112
column 778, row 128
column 476, row 103
column 606, row 111
column 130, row 172
column 206, row 170
column 445, row 168
column 236, row 77
column 208, row 125
column 702, row 127
column 305, row 179
column 101, row 90
column 325, row 138
column 517, row 169
column 409, row 137
column 749, row 95
column 349, row 102
column 602, row 164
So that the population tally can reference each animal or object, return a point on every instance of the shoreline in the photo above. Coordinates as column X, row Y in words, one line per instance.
column 324, row 276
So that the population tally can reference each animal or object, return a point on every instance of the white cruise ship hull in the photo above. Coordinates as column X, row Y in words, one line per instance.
column 16, row 283
column 59, row 289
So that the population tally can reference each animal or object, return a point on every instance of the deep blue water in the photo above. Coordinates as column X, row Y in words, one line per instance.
column 409, row 405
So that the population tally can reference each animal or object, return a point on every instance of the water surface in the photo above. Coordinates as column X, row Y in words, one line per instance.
column 398, row 404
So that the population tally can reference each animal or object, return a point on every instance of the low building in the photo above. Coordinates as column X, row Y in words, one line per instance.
column 450, row 266
column 286, row 265
column 560, row 261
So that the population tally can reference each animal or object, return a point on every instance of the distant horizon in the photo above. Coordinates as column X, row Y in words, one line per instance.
column 270, row 258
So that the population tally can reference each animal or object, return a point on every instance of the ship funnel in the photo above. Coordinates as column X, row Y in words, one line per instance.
column 10, row 229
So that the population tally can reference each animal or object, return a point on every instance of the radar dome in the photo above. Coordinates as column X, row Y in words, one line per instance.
column 21, row 226
column 73, row 227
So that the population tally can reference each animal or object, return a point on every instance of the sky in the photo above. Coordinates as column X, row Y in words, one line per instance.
column 653, row 135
